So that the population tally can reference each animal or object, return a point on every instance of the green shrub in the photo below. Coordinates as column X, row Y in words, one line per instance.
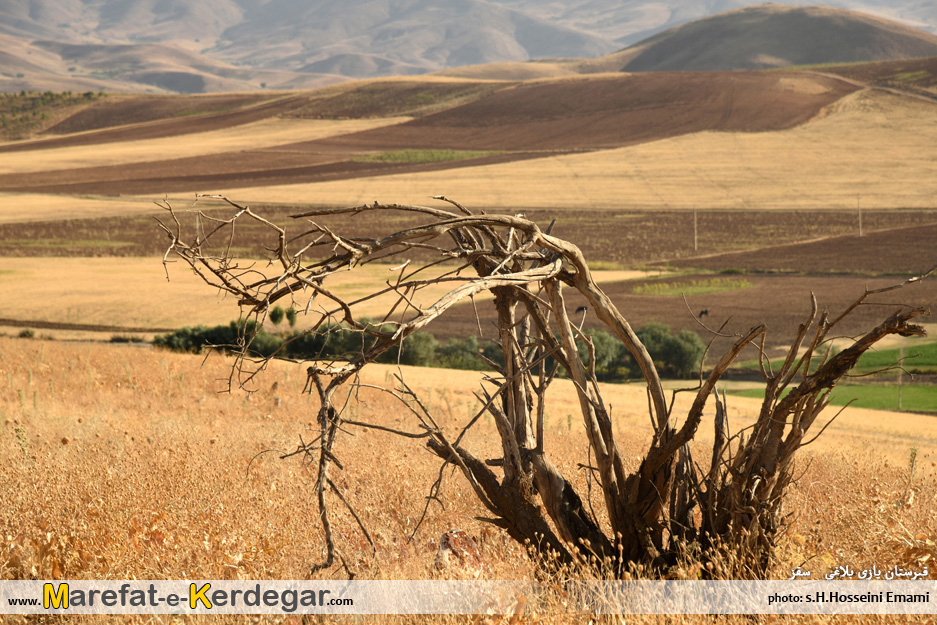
column 418, row 350
column 460, row 354
column 120, row 338
column 276, row 315
column 228, row 337
column 674, row 355
column 609, row 354
column 306, row 345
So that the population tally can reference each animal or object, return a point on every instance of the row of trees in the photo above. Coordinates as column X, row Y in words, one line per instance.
column 676, row 354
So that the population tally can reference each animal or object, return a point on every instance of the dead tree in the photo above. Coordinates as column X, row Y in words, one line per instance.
column 728, row 513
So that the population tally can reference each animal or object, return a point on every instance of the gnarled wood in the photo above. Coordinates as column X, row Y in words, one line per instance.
column 648, row 514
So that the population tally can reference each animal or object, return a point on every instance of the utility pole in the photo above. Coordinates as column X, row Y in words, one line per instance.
column 859, row 208
column 900, row 374
column 695, row 233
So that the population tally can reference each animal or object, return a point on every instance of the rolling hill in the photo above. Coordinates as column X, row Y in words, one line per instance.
column 198, row 46
column 768, row 36
column 761, row 37
column 510, row 123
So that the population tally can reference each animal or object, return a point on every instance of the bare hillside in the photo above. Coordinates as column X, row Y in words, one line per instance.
column 771, row 35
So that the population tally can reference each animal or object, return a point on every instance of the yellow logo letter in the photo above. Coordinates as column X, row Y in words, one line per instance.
column 199, row 595
column 56, row 598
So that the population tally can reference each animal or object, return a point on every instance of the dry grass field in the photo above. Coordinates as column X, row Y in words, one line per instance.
column 69, row 296
column 266, row 133
column 177, row 489
column 24, row 207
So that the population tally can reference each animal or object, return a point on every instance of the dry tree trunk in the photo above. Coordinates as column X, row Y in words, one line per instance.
column 669, row 507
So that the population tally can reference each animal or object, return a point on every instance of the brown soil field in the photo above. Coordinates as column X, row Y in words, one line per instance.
column 232, row 170
column 267, row 133
column 613, row 111
column 781, row 302
column 392, row 98
column 899, row 250
column 125, row 110
column 623, row 238
column 119, row 117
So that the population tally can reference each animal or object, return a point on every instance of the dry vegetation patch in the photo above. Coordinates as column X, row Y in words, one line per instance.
column 105, row 291
column 27, row 207
column 177, row 488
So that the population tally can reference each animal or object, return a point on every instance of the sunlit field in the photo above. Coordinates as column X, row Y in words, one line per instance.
column 125, row 462
column 135, row 293
column 262, row 134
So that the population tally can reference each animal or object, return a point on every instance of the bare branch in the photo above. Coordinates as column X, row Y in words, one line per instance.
column 456, row 255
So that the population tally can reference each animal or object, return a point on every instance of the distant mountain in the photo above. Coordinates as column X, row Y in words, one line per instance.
column 415, row 36
column 211, row 45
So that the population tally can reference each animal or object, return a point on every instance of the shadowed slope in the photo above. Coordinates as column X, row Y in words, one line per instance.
column 612, row 111
column 775, row 36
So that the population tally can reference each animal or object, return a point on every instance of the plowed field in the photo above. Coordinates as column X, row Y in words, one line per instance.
column 781, row 302
column 624, row 238
column 616, row 111
column 901, row 250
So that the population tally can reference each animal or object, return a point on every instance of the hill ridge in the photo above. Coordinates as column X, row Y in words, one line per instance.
column 225, row 45
column 772, row 35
